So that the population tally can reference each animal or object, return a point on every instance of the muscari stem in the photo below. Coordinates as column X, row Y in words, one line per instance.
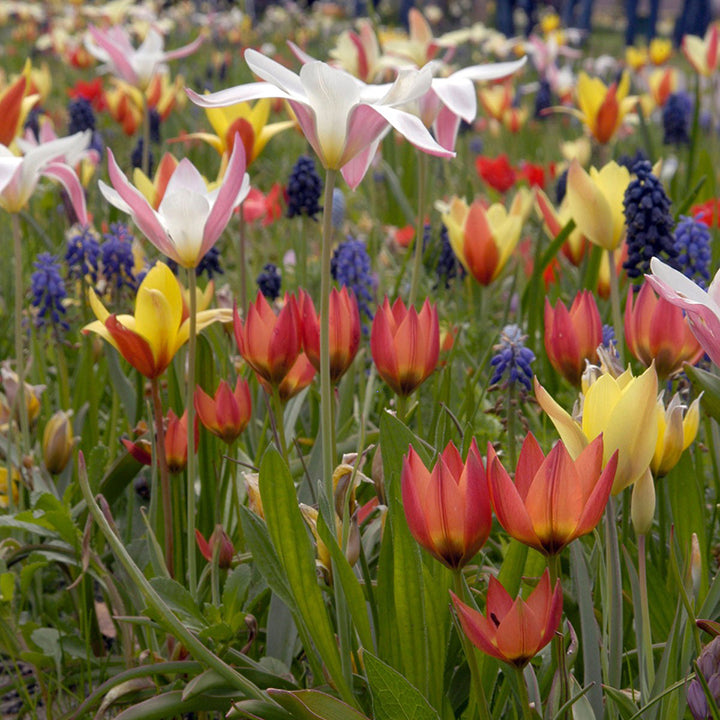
column 420, row 228
column 615, row 304
column 326, row 398
column 164, row 473
column 192, row 457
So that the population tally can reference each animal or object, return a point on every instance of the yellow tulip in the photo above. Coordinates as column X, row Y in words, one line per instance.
column 596, row 202
column 15, row 475
column 602, row 108
column 624, row 410
column 636, row 58
column 249, row 121
column 660, row 50
column 149, row 339
column 675, row 433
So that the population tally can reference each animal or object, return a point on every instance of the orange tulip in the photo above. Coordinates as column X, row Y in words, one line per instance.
column 175, row 444
column 344, row 331
column 572, row 337
column 228, row 412
column 14, row 107
column 405, row 344
column 447, row 508
column 297, row 378
column 554, row 499
column 655, row 329
column 269, row 343
column 513, row 631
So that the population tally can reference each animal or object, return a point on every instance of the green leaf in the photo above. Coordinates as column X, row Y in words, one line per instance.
column 314, row 705
column 123, row 387
column 235, row 594
column 394, row 698
column 408, row 583
column 170, row 704
column 179, row 600
column 35, row 562
column 7, row 587
column 710, row 385
column 626, row 707
column 350, row 584
column 290, row 538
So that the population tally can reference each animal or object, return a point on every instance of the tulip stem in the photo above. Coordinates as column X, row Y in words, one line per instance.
column 647, row 668
column 420, row 228
column 523, row 693
column 164, row 473
column 146, row 136
column 326, row 397
column 20, row 400
column 190, row 409
column 277, row 408
column 558, row 644
column 476, row 680
column 615, row 305
column 242, row 247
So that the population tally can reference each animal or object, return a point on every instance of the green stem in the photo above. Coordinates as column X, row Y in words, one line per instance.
column 647, row 667
column 243, row 262
column 512, row 445
column 476, row 680
column 326, row 398
column 615, row 304
column 164, row 473
column 402, row 404
column 420, row 228
column 302, row 244
column 194, row 646
column 278, row 412
column 20, row 400
column 146, row 136
column 558, row 643
column 192, row 456
column 523, row 693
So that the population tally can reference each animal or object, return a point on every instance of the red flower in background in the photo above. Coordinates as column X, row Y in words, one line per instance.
column 533, row 174
column 707, row 212
column 267, row 208
column 497, row 173
column 91, row 91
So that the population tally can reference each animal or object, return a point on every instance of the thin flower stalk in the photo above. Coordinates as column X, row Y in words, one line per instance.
column 164, row 473
column 192, row 449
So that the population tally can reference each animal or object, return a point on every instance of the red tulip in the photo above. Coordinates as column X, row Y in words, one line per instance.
column 513, row 631
column 655, row 329
column 299, row 376
column 405, row 344
column 344, row 331
column 269, row 343
column 554, row 499
column 572, row 337
column 448, row 508
column 228, row 412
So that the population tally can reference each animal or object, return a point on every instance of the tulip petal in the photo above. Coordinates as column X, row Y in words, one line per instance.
column 589, row 207
column 570, row 432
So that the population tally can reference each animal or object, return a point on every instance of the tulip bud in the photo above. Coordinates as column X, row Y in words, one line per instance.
column 15, row 481
column 176, row 450
column 695, row 565
column 58, row 442
column 252, row 487
column 225, row 548
column 642, row 505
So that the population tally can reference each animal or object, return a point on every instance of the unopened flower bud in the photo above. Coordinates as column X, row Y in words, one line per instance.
column 252, row 487
column 220, row 538
column 709, row 665
column 58, row 442
column 642, row 505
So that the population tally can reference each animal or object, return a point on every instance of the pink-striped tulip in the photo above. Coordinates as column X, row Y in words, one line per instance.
column 344, row 331
column 228, row 413
column 513, row 631
column 572, row 337
column 554, row 499
column 655, row 329
column 702, row 53
column 342, row 118
column 702, row 308
column 405, row 344
column 190, row 218
column 447, row 508
column 269, row 343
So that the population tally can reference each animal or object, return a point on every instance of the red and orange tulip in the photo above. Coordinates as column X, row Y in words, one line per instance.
column 554, row 499
column 655, row 329
column 269, row 343
column 228, row 412
column 176, row 450
column 448, row 507
column 572, row 337
column 405, row 344
column 298, row 377
column 513, row 631
column 344, row 331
